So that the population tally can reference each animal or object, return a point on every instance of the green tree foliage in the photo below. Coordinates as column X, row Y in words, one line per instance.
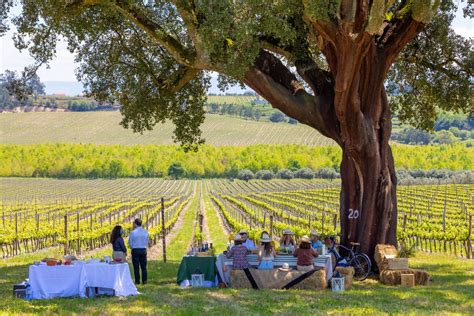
column 285, row 174
column 426, row 76
column 304, row 173
column 265, row 174
column 110, row 161
column 15, row 90
column 176, row 170
column 246, row 175
column 277, row 117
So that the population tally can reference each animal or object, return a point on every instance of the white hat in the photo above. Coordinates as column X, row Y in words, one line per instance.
column 314, row 233
column 288, row 232
column 243, row 231
column 305, row 239
column 285, row 267
column 265, row 238
column 237, row 237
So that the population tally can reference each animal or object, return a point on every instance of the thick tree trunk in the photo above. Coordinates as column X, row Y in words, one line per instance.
column 368, row 208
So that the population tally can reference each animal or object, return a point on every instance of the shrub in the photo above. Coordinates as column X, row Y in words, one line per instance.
column 439, row 173
column 265, row 174
column 405, row 251
column 402, row 173
column 176, row 170
column 305, row 173
column 277, row 117
column 417, row 173
column 245, row 174
column 116, row 169
column 326, row 173
column 294, row 165
column 285, row 174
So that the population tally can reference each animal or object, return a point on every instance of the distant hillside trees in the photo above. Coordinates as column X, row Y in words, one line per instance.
column 18, row 91
column 277, row 117
column 448, row 129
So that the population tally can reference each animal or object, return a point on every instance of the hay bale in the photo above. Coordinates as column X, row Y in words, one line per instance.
column 408, row 280
column 381, row 254
column 317, row 281
column 397, row 263
column 348, row 274
column 394, row 277
column 239, row 280
column 276, row 279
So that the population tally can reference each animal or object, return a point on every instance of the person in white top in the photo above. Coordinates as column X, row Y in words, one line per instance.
column 248, row 243
column 138, row 242
column 266, row 253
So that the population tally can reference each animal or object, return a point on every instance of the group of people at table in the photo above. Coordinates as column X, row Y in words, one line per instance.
column 307, row 249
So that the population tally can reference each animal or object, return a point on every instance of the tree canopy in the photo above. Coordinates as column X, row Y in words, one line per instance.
column 15, row 88
column 154, row 57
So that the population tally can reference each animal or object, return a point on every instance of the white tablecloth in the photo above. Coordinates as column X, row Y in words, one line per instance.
column 67, row 281
column 58, row 281
column 111, row 276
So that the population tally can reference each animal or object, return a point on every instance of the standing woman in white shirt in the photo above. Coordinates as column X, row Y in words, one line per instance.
column 138, row 242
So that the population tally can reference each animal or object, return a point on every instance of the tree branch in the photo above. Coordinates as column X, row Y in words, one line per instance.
column 320, row 81
column 272, row 80
column 140, row 18
column 399, row 37
column 186, row 10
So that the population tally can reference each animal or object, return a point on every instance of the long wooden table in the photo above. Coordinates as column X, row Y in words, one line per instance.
column 323, row 261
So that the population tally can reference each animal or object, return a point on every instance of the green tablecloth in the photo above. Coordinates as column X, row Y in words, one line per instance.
column 197, row 265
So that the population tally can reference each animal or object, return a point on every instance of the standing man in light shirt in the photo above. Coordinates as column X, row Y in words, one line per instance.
column 248, row 243
column 138, row 242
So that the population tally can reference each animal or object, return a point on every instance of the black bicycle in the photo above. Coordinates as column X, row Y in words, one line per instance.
column 356, row 259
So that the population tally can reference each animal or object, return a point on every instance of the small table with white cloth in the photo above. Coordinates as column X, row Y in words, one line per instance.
column 73, row 280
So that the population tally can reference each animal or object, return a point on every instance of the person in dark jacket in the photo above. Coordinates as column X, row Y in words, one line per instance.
column 118, row 245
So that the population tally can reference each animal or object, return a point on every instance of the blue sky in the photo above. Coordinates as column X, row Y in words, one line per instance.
column 61, row 68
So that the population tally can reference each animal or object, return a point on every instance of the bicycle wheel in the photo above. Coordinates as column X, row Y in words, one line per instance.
column 362, row 266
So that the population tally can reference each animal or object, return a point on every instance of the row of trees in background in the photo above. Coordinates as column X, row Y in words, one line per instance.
column 244, row 111
column 288, row 174
column 264, row 161
column 250, row 112
column 448, row 129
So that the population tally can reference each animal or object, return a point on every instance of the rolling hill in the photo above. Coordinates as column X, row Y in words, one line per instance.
column 104, row 128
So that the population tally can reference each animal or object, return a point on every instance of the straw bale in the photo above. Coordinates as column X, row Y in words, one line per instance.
column 276, row 279
column 348, row 274
column 239, row 280
column 393, row 277
column 317, row 281
column 381, row 253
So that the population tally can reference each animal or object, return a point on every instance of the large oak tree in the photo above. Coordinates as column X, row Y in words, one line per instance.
column 326, row 63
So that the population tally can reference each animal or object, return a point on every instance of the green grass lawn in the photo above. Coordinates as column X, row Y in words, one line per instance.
column 452, row 291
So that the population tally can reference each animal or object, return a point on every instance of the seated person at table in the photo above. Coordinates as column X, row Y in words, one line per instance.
column 287, row 242
column 337, row 259
column 316, row 243
column 305, row 254
column 266, row 253
column 238, row 253
column 119, row 250
column 248, row 243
